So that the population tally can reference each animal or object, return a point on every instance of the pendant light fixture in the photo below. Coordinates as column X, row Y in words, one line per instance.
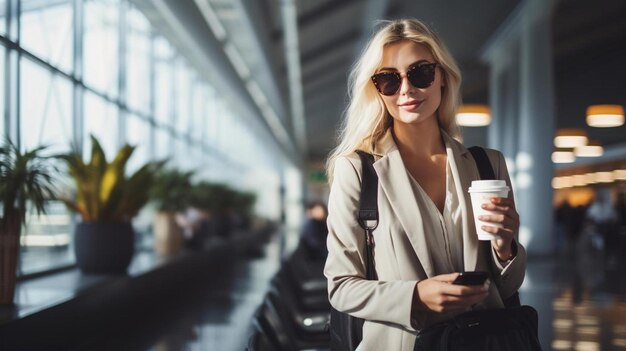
column 570, row 138
column 592, row 149
column 605, row 116
column 563, row 155
column 473, row 115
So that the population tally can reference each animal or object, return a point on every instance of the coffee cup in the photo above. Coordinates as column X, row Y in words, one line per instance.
column 481, row 193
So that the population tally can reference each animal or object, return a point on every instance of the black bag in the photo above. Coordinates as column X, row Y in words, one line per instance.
column 513, row 328
column 346, row 331
column 506, row 329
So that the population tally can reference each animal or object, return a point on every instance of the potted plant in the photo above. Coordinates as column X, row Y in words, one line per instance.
column 107, row 200
column 170, row 192
column 203, row 197
column 24, row 178
column 215, row 199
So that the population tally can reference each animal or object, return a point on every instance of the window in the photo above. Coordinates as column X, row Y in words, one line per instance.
column 183, row 98
column 163, row 143
column 45, row 108
column 183, row 159
column 199, row 97
column 163, row 82
column 138, row 135
column 46, row 240
column 100, row 46
column 225, row 128
column 169, row 110
column 101, row 120
column 211, row 119
column 46, row 30
column 3, row 17
column 2, row 121
column 216, row 123
column 138, row 62
column 138, row 132
column 46, row 119
column 196, row 159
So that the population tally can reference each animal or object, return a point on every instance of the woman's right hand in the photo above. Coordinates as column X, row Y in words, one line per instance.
column 438, row 294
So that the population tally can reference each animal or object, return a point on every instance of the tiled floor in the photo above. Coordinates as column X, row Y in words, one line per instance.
column 580, row 297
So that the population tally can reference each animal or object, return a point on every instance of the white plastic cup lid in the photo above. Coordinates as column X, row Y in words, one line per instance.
column 488, row 185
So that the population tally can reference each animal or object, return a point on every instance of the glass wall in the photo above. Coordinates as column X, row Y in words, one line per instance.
column 3, row 82
column 109, row 74
column 45, row 107
column 138, row 63
column 46, row 31
column 3, row 17
column 101, row 45
column 102, row 121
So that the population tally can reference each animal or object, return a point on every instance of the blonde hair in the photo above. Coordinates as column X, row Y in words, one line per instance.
column 366, row 119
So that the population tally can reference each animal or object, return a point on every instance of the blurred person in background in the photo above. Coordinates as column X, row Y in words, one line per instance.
column 315, row 231
column 562, row 227
column 604, row 221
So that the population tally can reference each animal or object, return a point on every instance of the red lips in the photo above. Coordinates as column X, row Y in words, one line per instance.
column 412, row 102
column 411, row 106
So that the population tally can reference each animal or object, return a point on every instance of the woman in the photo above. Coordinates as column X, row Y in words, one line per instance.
column 404, row 96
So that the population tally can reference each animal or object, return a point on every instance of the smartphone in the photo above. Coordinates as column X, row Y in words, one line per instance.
column 471, row 278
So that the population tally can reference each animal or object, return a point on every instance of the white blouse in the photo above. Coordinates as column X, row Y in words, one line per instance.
column 443, row 231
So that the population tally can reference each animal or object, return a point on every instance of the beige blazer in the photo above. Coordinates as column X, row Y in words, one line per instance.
column 400, row 253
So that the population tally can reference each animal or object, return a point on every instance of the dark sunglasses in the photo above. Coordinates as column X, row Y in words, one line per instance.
column 420, row 76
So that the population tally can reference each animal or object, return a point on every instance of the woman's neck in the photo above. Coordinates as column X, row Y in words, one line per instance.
column 419, row 140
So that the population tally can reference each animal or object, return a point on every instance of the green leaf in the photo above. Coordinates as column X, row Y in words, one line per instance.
column 112, row 184
column 136, row 192
column 24, row 178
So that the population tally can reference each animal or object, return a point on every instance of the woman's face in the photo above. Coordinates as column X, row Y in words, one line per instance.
column 409, row 104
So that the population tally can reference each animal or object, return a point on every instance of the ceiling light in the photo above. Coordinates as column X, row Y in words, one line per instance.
column 604, row 177
column 570, row 137
column 593, row 149
column 473, row 115
column 563, row 156
column 579, row 180
column 567, row 181
column 619, row 174
column 603, row 116
column 590, row 178
column 562, row 182
column 562, row 345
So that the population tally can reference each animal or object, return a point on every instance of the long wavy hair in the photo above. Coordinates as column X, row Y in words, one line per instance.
column 366, row 119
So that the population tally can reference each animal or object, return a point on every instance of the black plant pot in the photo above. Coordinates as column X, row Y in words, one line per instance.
column 104, row 248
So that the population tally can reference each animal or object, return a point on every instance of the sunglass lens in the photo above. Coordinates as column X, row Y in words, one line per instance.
column 387, row 83
column 422, row 76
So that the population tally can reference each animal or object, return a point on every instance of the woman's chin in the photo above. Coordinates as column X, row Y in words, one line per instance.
column 411, row 118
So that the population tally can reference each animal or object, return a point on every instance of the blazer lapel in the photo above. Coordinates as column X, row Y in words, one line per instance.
column 394, row 182
column 464, row 170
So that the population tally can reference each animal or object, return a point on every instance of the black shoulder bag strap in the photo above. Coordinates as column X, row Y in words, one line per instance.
column 482, row 161
column 486, row 173
column 368, row 208
column 346, row 331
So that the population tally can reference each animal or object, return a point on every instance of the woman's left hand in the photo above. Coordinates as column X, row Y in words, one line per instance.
column 505, row 215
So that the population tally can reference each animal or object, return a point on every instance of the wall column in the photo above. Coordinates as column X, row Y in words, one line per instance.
column 522, row 103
